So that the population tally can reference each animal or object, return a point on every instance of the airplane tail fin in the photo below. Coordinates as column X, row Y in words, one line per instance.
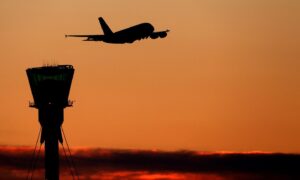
column 105, row 27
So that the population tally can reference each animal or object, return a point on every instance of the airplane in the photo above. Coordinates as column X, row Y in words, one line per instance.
column 129, row 35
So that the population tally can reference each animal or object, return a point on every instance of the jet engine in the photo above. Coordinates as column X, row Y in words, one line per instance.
column 154, row 36
column 162, row 34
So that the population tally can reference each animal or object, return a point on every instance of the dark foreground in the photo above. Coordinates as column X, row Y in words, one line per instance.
column 137, row 164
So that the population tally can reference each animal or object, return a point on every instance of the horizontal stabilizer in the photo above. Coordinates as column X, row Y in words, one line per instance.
column 88, row 37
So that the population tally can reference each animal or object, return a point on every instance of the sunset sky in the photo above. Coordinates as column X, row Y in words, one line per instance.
column 226, row 78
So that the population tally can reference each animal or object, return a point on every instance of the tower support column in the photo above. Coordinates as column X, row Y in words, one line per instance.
column 51, row 118
column 51, row 158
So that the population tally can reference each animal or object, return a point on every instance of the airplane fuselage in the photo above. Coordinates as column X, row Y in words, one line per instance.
column 131, row 34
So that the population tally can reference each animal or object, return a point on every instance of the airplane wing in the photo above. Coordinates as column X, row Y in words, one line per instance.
column 165, row 31
column 95, row 37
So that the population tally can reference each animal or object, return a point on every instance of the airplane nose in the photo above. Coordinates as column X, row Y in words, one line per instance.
column 150, row 28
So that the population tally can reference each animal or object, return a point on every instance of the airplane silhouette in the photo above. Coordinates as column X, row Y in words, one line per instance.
column 129, row 35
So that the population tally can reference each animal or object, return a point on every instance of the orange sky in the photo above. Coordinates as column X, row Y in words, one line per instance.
column 226, row 78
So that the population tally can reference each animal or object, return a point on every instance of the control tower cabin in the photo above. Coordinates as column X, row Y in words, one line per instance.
column 50, row 87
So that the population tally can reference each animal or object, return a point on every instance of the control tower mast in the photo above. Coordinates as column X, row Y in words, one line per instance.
column 50, row 87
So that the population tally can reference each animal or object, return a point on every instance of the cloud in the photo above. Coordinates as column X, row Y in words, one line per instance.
column 139, row 164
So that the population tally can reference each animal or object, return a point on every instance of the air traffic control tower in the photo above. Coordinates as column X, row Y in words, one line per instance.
column 50, row 87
